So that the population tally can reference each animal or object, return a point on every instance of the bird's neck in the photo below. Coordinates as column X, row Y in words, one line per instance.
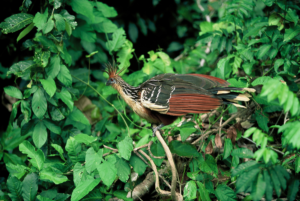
column 127, row 92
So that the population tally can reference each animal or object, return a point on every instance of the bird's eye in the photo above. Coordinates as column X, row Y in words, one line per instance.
column 111, row 79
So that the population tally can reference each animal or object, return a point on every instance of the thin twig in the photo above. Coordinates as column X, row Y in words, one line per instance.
column 107, row 147
column 149, row 149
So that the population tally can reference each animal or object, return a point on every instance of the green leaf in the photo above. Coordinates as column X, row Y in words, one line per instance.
column 190, row 190
column 16, row 170
column 15, row 188
column 40, row 19
column 263, row 50
column 186, row 132
column 125, row 54
column 59, row 149
column 107, row 172
column 77, row 115
column 297, row 165
column 39, row 134
column 142, row 141
column 259, row 188
column 25, row 31
column 227, row 148
column 54, row 67
column 48, row 26
column 125, row 147
column 84, row 138
column 293, row 189
column 83, row 7
column 30, row 187
column 242, row 153
column 66, row 97
column 49, row 86
column 203, row 191
column 118, row 40
column 133, row 32
column 16, row 22
column 84, row 188
column 292, row 16
column 73, row 148
column 93, row 159
column 39, row 103
column 49, row 174
column 51, row 126
column 224, row 68
column 106, row 10
column 291, row 33
column 123, row 169
column 236, row 64
column 64, row 76
column 48, row 44
column 225, row 193
column 21, row 69
column 59, row 22
column 37, row 157
column 182, row 149
column 13, row 92
column 138, row 164
column 262, row 120
column 107, row 26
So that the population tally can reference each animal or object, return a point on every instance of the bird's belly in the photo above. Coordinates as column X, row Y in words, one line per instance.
column 145, row 113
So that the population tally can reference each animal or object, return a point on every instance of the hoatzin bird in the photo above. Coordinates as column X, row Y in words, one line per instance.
column 163, row 98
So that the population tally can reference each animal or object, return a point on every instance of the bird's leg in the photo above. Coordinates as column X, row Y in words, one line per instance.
column 155, row 128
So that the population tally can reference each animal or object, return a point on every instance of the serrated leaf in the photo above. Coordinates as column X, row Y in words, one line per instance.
column 16, row 22
column 118, row 39
column 13, row 92
column 39, row 103
column 125, row 147
column 49, row 86
column 182, row 149
column 262, row 120
column 123, row 169
column 125, row 54
column 293, row 189
column 107, row 172
column 30, row 187
column 64, row 76
column 84, row 188
column 203, row 191
column 39, row 134
column 40, row 19
column 93, row 159
column 16, row 170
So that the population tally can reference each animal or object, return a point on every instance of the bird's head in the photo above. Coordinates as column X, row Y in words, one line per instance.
column 114, row 77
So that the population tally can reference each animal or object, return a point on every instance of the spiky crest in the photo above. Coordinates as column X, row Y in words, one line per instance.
column 111, row 70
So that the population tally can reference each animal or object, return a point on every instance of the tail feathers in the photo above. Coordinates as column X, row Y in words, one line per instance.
column 230, row 97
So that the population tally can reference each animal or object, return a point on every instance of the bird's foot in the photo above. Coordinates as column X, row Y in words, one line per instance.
column 156, row 128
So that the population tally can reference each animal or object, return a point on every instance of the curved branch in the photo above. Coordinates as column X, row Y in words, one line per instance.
column 149, row 149
column 172, row 164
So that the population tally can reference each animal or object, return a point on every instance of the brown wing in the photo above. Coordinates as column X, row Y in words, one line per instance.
column 178, row 95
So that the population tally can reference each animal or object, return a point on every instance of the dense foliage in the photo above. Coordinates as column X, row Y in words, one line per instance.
column 70, row 137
